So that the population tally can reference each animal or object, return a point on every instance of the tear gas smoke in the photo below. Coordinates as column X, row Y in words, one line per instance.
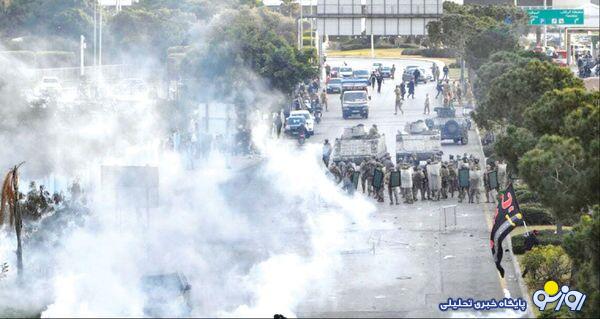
column 251, row 239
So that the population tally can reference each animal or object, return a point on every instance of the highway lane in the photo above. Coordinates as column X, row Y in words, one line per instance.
column 408, row 263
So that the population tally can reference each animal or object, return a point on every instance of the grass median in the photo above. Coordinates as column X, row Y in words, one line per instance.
column 382, row 53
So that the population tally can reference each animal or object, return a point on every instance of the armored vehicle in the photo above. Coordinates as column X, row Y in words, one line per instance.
column 451, row 127
column 417, row 143
column 355, row 145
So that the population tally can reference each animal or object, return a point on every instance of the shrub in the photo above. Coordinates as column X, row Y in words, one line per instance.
column 408, row 46
column 454, row 65
column 544, row 263
column 429, row 53
column 545, row 237
column 525, row 195
column 536, row 214
column 488, row 150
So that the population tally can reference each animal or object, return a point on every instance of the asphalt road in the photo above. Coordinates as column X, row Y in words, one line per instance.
column 408, row 263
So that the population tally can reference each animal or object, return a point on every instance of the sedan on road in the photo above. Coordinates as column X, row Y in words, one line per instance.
column 346, row 72
column 334, row 86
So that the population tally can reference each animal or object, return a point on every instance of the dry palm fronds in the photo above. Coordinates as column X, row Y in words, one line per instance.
column 9, row 195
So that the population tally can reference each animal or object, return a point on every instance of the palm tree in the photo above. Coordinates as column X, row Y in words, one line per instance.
column 10, row 200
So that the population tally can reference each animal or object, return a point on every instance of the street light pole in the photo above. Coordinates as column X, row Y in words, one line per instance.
column 545, row 28
column 82, row 47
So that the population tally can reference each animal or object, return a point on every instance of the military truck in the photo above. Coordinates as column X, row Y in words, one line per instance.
column 355, row 145
column 417, row 143
column 451, row 127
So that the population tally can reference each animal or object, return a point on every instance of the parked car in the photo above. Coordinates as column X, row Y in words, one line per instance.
column 310, row 120
column 376, row 66
column 334, row 85
column 335, row 72
column 386, row 72
column 408, row 74
column 346, row 72
column 362, row 75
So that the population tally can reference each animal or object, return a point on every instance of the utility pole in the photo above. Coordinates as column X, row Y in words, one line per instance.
column 545, row 41
column 82, row 47
column 95, row 31
column 301, row 26
column 100, row 44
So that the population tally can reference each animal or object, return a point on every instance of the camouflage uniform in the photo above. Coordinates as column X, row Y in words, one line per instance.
column 392, row 191
column 445, row 180
column 475, row 182
column 462, row 190
column 452, row 180
column 417, row 179
column 364, row 172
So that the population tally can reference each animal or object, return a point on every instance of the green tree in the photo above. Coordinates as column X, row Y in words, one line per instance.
column 512, row 144
column 510, row 94
column 555, row 169
column 137, row 31
column 480, row 46
column 548, row 114
column 583, row 247
column 246, row 40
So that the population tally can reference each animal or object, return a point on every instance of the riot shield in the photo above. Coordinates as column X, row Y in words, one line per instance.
column 355, row 177
column 377, row 178
column 463, row 177
column 493, row 179
column 395, row 179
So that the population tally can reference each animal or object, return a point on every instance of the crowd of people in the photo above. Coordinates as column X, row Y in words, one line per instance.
column 463, row 177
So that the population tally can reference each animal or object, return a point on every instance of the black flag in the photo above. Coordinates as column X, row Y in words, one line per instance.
column 508, row 217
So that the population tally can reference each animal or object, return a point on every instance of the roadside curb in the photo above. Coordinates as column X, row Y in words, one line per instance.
column 517, row 267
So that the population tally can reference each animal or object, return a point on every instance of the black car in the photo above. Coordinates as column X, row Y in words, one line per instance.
column 293, row 123
column 386, row 72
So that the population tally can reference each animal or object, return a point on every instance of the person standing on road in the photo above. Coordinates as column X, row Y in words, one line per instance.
column 475, row 184
column 463, row 183
column 406, row 182
column 324, row 100
column 370, row 172
column 327, row 70
column 379, row 82
column 416, row 74
column 435, row 71
column 417, row 179
column 373, row 80
column 379, row 188
column 445, row 180
column 426, row 110
column 402, row 90
column 326, row 152
column 364, row 171
column 336, row 172
column 392, row 191
column 452, row 178
column 411, row 89
column 277, row 123
column 446, row 71
column 393, row 71
column 398, row 93
column 440, row 89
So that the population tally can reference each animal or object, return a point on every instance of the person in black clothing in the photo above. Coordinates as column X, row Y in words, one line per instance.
column 416, row 74
column 379, row 81
column 278, row 124
column 440, row 89
column 373, row 79
column 411, row 89
column 402, row 90
column 446, row 70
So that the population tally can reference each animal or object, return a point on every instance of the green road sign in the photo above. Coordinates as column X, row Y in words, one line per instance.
column 555, row 16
